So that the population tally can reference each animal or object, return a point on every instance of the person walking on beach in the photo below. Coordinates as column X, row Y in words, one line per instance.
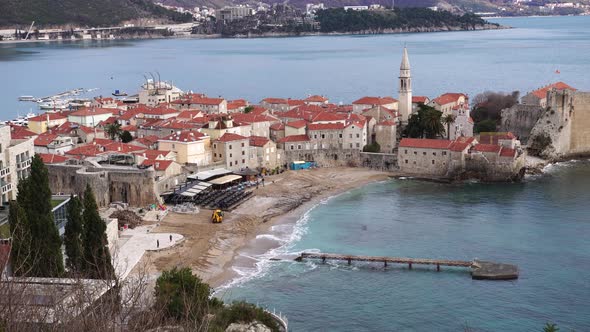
column 170, row 237
column 158, row 243
column 263, row 182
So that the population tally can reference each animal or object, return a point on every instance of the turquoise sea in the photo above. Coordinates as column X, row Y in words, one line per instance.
column 541, row 225
column 343, row 68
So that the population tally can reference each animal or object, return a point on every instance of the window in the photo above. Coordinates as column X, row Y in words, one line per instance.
column 243, row 153
column 243, row 161
column 215, row 146
column 220, row 155
column 340, row 135
column 230, row 164
column 434, row 153
column 230, row 146
column 424, row 153
column 350, row 135
column 406, row 151
column 414, row 163
column 415, row 153
column 291, row 146
column 444, row 153
column 351, row 145
column 406, row 161
column 243, row 144
column 173, row 145
column 215, row 155
column 358, row 135
column 323, row 135
column 358, row 145
column 299, row 147
column 433, row 161
column 231, row 155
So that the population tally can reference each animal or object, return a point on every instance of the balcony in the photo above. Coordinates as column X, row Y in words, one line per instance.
column 4, row 172
column 23, row 164
column 6, row 188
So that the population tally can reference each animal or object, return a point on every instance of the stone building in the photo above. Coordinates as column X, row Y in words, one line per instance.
column 233, row 149
column 90, row 117
column 295, row 142
column 386, row 136
column 41, row 123
column 539, row 96
column 564, row 127
column 405, row 88
column 15, row 162
column 326, row 135
column 430, row 157
column 264, row 153
column 358, row 106
column 447, row 101
column 153, row 93
column 191, row 147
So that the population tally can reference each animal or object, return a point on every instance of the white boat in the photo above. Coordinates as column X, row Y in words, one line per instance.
column 26, row 98
column 55, row 104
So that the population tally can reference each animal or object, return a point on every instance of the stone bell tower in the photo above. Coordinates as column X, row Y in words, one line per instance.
column 405, row 88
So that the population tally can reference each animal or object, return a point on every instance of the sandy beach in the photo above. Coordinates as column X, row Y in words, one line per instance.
column 211, row 250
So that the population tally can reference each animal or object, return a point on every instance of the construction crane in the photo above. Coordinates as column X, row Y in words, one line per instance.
column 29, row 31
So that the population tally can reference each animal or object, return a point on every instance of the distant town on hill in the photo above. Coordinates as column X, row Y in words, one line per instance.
column 19, row 14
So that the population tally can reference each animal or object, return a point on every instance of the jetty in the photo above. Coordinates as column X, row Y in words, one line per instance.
column 480, row 270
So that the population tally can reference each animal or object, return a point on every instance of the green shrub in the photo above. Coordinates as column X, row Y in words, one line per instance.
column 373, row 147
column 242, row 312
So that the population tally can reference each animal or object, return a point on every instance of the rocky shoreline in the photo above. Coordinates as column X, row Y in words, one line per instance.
column 277, row 34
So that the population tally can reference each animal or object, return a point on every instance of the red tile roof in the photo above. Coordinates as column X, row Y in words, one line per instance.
column 229, row 137
column 328, row 116
column 316, row 99
column 449, row 97
column 374, row 101
column 130, row 114
column 542, row 92
column 423, row 143
column 152, row 154
column 296, row 124
column 185, row 136
column 277, row 126
column 44, row 139
column 487, row 148
column 159, row 165
column 251, row 118
column 147, row 140
column 461, row 143
column 495, row 137
column 294, row 138
column 51, row 116
column 275, row 100
column 20, row 132
column 86, row 111
column 189, row 114
column 110, row 120
column 325, row 126
column 52, row 158
column 258, row 141
column 295, row 102
column 88, row 150
column 419, row 99
column 130, row 128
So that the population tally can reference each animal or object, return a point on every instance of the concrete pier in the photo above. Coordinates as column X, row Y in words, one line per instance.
column 480, row 270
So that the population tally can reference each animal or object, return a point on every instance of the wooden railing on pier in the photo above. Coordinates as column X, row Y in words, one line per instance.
column 479, row 269
column 384, row 259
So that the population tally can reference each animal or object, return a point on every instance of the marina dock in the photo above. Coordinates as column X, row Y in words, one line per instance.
column 480, row 270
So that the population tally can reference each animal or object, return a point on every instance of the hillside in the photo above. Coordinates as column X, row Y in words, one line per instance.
column 452, row 5
column 81, row 12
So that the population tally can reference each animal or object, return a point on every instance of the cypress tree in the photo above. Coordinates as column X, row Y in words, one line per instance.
column 97, row 259
column 44, row 234
column 20, row 255
column 73, row 236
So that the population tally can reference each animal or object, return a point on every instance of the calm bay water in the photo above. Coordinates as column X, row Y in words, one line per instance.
column 541, row 225
column 343, row 68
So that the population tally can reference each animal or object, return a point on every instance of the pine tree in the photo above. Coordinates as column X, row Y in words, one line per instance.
column 21, row 255
column 97, row 259
column 36, row 202
column 73, row 236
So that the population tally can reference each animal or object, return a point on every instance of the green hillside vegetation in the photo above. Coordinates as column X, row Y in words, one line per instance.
column 91, row 13
column 340, row 20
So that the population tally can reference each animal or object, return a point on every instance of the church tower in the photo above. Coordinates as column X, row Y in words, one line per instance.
column 405, row 88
